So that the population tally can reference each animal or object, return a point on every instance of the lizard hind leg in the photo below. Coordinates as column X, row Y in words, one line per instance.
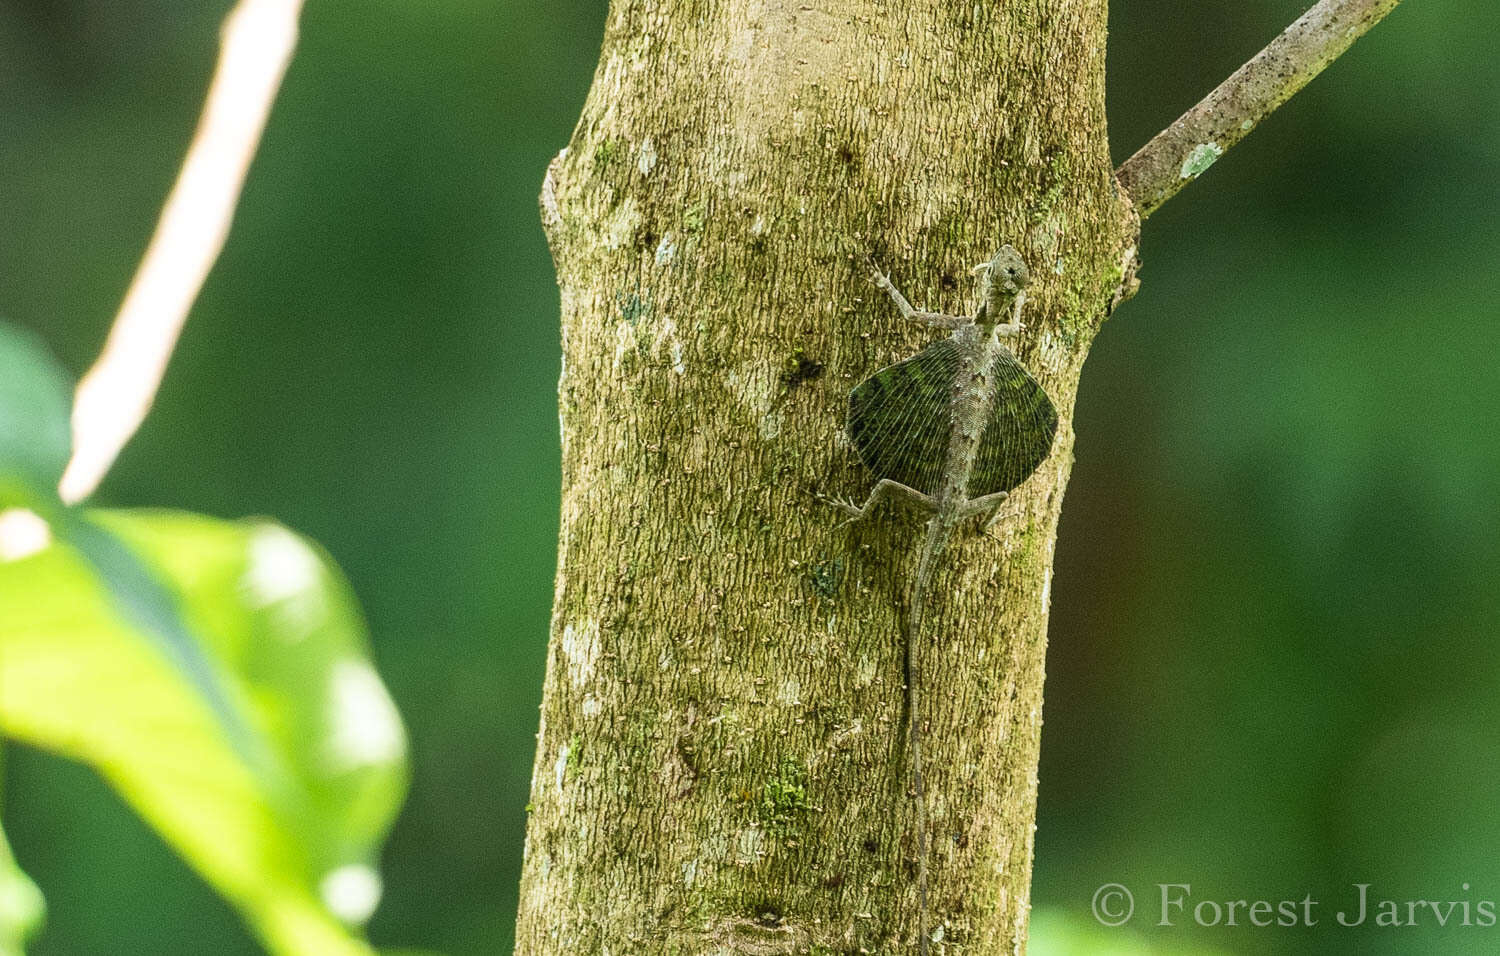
column 983, row 504
column 988, row 505
column 884, row 488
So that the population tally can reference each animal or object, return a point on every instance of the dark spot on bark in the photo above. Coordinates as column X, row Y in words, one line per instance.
column 631, row 306
column 649, row 239
column 948, row 282
column 800, row 368
column 871, row 845
column 765, row 912
column 825, row 578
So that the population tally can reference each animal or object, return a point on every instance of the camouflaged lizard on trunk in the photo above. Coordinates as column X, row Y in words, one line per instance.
column 953, row 429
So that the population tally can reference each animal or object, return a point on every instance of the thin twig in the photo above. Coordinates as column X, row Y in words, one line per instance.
column 113, row 398
column 1178, row 154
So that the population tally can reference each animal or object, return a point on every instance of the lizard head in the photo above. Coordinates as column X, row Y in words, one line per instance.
column 1006, row 274
column 1004, row 279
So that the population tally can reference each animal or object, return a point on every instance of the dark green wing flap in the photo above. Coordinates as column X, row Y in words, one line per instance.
column 899, row 417
column 1019, row 434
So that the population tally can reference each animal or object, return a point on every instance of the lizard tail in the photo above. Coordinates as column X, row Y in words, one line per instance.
column 936, row 534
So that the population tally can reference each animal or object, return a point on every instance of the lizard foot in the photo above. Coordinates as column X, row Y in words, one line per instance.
column 994, row 519
column 846, row 506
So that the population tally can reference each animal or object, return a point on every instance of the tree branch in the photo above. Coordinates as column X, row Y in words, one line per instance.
column 114, row 396
column 1180, row 153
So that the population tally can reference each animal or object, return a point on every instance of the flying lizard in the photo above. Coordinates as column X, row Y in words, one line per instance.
column 953, row 429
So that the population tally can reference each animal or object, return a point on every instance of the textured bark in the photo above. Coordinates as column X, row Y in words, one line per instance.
column 721, row 763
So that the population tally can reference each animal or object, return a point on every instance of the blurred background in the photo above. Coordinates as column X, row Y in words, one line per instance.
column 1273, row 668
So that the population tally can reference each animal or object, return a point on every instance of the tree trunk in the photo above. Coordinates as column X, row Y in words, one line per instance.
column 721, row 764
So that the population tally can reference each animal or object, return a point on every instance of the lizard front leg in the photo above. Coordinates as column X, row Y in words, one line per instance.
column 936, row 319
column 884, row 488
column 1014, row 326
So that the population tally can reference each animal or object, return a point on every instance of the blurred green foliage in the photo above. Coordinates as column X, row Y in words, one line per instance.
column 215, row 674
column 34, row 441
column 22, row 906
column 1056, row 932
column 1272, row 663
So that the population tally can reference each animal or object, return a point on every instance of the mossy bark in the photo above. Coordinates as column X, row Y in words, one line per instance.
column 721, row 764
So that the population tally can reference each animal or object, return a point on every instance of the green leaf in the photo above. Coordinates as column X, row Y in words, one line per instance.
column 35, row 396
column 21, row 906
column 285, row 823
column 144, row 601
